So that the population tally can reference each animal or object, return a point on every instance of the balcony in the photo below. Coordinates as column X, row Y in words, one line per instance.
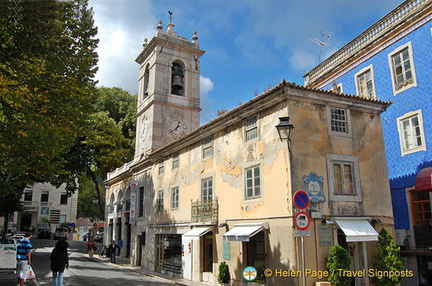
column 205, row 211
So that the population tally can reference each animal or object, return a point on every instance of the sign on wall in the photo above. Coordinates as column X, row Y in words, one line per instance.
column 314, row 187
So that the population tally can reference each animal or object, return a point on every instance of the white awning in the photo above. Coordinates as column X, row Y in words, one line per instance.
column 357, row 229
column 243, row 232
column 196, row 232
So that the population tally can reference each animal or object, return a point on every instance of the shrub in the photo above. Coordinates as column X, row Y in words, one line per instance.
column 338, row 259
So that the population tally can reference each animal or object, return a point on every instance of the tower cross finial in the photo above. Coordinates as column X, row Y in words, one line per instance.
column 170, row 17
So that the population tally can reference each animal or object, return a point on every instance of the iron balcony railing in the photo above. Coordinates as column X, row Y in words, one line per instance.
column 205, row 211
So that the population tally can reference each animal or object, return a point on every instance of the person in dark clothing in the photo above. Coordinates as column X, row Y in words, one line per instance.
column 112, row 250
column 59, row 262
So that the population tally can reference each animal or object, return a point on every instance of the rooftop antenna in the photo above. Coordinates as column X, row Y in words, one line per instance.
column 323, row 43
column 170, row 17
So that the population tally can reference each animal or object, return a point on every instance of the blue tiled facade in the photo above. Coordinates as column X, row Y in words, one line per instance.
column 402, row 169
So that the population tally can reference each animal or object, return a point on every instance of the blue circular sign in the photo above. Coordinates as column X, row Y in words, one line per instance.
column 301, row 199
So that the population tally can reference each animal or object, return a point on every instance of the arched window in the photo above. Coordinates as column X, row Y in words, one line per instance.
column 177, row 75
column 146, row 82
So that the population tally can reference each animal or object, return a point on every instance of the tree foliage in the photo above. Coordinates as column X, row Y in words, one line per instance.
column 47, row 65
column 387, row 258
column 104, row 146
column 338, row 259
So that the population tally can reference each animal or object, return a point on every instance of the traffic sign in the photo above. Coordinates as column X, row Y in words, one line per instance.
column 302, row 233
column 302, row 220
column 301, row 199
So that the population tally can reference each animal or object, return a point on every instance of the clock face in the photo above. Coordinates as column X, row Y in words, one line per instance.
column 176, row 127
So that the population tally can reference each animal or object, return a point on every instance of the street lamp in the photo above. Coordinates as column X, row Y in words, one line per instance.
column 284, row 129
column 95, row 199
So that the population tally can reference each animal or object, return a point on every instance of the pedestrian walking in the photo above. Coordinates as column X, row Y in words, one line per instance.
column 91, row 245
column 23, row 256
column 112, row 250
column 59, row 262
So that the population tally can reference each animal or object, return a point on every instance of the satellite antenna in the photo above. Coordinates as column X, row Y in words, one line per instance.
column 170, row 17
column 322, row 43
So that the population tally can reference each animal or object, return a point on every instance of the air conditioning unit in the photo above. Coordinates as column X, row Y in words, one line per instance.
column 322, row 284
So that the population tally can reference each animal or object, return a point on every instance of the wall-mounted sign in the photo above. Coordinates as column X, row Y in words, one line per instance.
column 314, row 187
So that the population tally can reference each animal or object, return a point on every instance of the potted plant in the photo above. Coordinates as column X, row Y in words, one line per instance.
column 338, row 259
column 387, row 258
column 224, row 276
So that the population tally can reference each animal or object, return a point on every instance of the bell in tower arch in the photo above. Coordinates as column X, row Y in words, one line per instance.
column 177, row 79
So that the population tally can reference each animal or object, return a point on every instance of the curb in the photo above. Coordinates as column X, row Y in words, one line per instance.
column 130, row 268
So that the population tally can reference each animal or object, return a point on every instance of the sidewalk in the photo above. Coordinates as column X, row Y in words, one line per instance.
column 121, row 263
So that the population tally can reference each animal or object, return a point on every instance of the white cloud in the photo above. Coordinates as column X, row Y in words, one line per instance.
column 208, row 111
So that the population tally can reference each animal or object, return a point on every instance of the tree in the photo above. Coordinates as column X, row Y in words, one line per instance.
column 338, row 259
column 104, row 146
column 47, row 65
column 387, row 258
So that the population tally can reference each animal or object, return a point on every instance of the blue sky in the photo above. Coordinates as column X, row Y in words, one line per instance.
column 249, row 44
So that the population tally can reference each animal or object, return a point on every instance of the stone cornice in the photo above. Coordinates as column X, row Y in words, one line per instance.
column 373, row 39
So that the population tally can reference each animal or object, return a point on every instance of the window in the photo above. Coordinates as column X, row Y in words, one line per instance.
column 402, row 68
column 344, row 180
column 28, row 195
column 161, row 167
column 146, row 81
column 421, row 208
column 251, row 127
column 64, row 198
column 44, row 196
column 207, row 189
column 174, row 198
column 141, row 202
column 253, row 183
column 339, row 121
column 160, row 201
column 365, row 83
column 175, row 160
column 207, row 147
column 411, row 132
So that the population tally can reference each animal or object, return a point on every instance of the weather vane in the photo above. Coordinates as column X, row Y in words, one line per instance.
column 170, row 17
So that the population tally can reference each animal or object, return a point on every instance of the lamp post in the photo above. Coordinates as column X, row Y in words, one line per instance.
column 95, row 201
column 285, row 129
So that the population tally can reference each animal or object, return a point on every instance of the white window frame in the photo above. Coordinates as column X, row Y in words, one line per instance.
column 360, row 74
column 207, row 147
column 161, row 167
column 250, row 182
column 407, row 83
column 175, row 160
column 356, row 196
column 402, row 137
column 207, row 193
column 175, row 195
column 347, row 121
column 251, row 128
column 160, row 201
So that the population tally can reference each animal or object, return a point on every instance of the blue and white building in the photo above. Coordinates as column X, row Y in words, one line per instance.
column 392, row 61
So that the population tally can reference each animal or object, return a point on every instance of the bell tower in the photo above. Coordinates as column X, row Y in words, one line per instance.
column 169, row 89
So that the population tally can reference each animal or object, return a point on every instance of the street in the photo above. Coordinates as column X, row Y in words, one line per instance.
column 82, row 270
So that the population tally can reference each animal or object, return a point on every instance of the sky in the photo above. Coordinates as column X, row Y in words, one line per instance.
column 249, row 45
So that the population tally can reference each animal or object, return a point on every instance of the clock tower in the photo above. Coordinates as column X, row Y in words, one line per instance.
column 169, row 89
